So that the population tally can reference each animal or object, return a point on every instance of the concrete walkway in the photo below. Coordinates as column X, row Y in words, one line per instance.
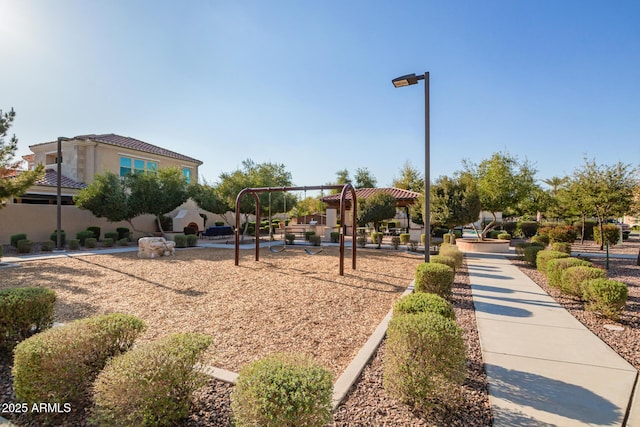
column 544, row 367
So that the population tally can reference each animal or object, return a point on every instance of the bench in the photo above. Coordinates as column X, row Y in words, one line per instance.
column 218, row 231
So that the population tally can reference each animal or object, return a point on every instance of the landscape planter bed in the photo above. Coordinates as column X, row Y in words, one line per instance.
column 487, row 245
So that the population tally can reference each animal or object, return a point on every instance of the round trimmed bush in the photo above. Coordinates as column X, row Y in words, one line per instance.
column 424, row 362
column 181, row 240
column 404, row 238
column 289, row 238
column 96, row 232
column 543, row 239
column 504, row 236
column 23, row 312
column 113, row 235
column 82, row 236
column 529, row 228
column 611, row 234
column 573, row 278
column 24, row 246
column 607, row 297
column 90, row 242
column 60, row 364
column 151, row 385
column 422, row 302
column 315, row 240
column 453, row 252
column 74, row 244
column 531, row 253
column 555, row 268
column 543, row 257
column 107, row 242
column 434, row 278
column 47, row 245
column 192, row 240
column 444, row 259
column 283, row 390
column 561, row 247
column 562, row 233
column 335, row 237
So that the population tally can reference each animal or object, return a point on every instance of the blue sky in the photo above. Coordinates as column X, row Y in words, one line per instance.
column 308, row 83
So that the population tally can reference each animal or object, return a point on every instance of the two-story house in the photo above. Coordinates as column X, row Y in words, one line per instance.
column 83, row 157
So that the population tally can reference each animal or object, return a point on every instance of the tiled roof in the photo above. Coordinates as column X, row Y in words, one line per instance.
column 50, row 179
column 133, row 144
column 365, row 193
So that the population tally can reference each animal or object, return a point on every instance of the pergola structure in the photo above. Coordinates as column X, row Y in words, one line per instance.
column 345, row 190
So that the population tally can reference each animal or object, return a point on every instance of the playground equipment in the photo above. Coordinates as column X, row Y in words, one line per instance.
column 343, row 229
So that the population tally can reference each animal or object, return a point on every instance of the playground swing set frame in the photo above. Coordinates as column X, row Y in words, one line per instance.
column 344, row 188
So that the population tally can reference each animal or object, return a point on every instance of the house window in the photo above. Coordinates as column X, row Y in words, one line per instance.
column 125, row 166
column 152, row 167
column 136, row 166
column 187, row 175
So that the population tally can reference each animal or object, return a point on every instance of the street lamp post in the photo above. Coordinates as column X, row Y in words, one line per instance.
column 59, row 193
column 408, row 80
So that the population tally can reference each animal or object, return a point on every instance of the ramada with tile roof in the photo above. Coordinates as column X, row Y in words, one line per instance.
column 403, row 198
column 85, row 156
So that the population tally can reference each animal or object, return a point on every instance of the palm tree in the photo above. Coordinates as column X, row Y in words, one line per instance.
column 556, row 183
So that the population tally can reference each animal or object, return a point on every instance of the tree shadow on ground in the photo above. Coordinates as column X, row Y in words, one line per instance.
column 526, row 389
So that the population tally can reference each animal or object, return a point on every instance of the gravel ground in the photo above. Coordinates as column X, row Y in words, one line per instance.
column 287, row 301
column 626, row 342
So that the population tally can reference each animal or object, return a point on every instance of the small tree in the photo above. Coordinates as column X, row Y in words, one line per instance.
column 364, row 179
column 503, row 183
column 607, row 189
column 13, row 182
column 410, row 179
column 375, row 209
column 454, row 201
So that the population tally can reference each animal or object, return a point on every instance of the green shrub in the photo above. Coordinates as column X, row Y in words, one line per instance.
column 47, row 245
column 444, row 259
column 573, row 278
column 555, row 268
column 543, row 239
column 361, row 241
column 181, row 240
column 611, row 234
column 192, row 240
column 308, row 234
column 453, row 252
column 395, row 242
column 60, row 364
column 544, row 256
column 520, row 248
column 63, row 237
column 434, row 278
column 335, row 237
column 113, row 235
column 404, row 238
column 561, row 247
column 218, row 223
column 151, row 385
column 166, row 222
column 493, row 234
column 422, row 302
column 83, row 235
column 96, row 232
column 74, row 244
column 607, row 297
column 90, row 242
column 124, row 241
column 283, row 390
column 123, row 233
column 107, row 242
column 422, row 239
column 315, row 240
column 424, row 363
column 376, row 237
column 504, row 236
column 23, row 312
column 16, row 238
column 412, row 246
column 528, row 228
column 438, row 231
column 531, row 253
column 510, row 227
column 24, row 246
column 289, row 238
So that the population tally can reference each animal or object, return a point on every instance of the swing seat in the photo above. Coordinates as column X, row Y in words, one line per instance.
column 310, row 252
column 277, row 249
